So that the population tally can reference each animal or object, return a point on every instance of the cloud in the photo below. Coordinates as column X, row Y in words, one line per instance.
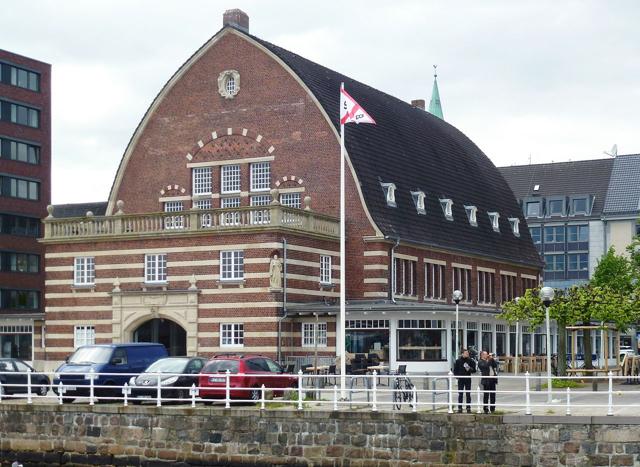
column 556, row 80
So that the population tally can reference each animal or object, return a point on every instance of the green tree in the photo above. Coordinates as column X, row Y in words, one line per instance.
column 531, row 309
column 614, row 271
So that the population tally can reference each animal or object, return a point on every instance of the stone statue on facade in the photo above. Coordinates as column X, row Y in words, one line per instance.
column 275, row 273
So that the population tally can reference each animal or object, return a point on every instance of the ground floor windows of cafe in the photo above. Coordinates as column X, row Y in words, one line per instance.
column 368, row 336
column 16, row 341
column 421, row 340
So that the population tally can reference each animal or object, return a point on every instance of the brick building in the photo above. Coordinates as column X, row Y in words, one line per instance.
column 221, row 229
column 25, row 175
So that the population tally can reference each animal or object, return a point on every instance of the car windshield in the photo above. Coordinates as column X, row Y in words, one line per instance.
column 221, row 366
column 168, row 365
column 88, row 355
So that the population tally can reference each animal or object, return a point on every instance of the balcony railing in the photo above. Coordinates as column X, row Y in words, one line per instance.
column 201, row 220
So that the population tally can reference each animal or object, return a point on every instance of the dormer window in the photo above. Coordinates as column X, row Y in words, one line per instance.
column 555, row 207
column 447, row 205
column 533, row 208
column 515, row 226
column 389, row 193
column 494, row 217
column 418, row 199
column 579, row 205
column 472, row 212
column 536, row 188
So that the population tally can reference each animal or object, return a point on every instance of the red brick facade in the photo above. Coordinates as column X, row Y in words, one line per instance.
column 16, row 242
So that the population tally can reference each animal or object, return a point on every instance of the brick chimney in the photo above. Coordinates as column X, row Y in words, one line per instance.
column 418, row 103
column 236, row 18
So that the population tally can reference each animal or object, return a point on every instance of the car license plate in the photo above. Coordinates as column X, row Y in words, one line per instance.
column 217, row 380
column 142, row 396
column 70, row 388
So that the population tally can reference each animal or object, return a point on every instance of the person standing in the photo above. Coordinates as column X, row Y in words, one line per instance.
column 463, row 368
column 489, row 370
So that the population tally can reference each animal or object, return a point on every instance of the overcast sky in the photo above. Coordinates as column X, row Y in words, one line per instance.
column 546, row 80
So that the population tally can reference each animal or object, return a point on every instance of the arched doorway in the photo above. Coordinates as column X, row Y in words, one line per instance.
column 163, row 331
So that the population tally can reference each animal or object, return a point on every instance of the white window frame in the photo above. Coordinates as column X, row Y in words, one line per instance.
column 260, row 216
column 447, row 208
column 435, row 290
column 389, row 193
column 291, row 200
column 313, row 331
column 84, row 270
column 206, row 219
column 84, row 334
column 494, row 217
column 155, row 268
column 515, row 226
column 173, row 222
column 418, row 199
column 232, row 217
column 202, row 181
column 325, row 269
column 231, row 334
column 260, row 175
column 472, row 215
column 230, row 178
column 231, row 265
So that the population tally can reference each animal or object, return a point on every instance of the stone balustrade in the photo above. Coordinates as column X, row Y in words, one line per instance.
column 250, row 218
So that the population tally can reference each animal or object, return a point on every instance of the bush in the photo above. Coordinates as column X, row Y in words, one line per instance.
column 564, row 383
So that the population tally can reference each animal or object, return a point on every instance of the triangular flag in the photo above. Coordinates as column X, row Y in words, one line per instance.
column 351, row 111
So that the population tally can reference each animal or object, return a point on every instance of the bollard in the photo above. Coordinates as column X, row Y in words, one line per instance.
column 126, row 390
column 29, row 399
column 193, row 392
column 568, row 401
column 610, row 410
column 61, row 391
column 92, row 392
column 450, row 381
column 262, row 397
column 158, row 391
column 299, row 389
column 414, row 394
column 374, row 391
column 335, row 397
column 479, row 392
column 227, row 392
column 527, row 390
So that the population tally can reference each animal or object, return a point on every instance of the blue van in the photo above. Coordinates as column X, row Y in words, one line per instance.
column 104, row 358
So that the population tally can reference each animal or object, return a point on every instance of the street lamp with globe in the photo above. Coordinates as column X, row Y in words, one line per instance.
column 457, row 296
column 547, row 295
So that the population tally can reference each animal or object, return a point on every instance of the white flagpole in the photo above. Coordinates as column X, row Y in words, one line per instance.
column 343, row 276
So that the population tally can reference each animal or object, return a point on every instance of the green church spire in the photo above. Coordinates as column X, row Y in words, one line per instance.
column 435, row 107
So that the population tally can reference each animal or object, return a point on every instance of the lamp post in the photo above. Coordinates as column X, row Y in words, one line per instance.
column 546, row 295
column 457, row 296
column 517, row 341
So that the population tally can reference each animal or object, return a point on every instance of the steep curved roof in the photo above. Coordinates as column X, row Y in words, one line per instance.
column 417, row 151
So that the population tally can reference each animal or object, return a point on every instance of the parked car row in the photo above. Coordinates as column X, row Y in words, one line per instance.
column 111, row 366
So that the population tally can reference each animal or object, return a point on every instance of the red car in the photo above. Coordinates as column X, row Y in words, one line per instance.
column 248, row 372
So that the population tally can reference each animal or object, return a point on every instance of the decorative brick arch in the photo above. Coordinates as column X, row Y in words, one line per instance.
column 289, row 180
column 222, row 140
column 172, row 190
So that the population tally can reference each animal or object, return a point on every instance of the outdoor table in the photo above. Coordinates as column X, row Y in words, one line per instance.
column 379, row 369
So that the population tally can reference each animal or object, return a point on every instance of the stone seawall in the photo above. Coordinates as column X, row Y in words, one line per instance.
column 116, row 435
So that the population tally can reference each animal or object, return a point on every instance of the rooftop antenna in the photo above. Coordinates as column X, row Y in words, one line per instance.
column 614, row 151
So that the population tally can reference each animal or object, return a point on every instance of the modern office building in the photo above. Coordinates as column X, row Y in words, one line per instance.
column 25, row 174
column 221, row 230
column 577, row 210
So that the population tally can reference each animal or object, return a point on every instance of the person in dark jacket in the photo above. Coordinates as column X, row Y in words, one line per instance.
column 488, row 367
column 463, row 368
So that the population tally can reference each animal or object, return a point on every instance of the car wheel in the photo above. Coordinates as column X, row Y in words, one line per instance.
column 43, row 390
column 255, row 395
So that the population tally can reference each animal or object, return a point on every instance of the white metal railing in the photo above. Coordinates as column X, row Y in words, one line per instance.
column 313, row 391
column 192, row 220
